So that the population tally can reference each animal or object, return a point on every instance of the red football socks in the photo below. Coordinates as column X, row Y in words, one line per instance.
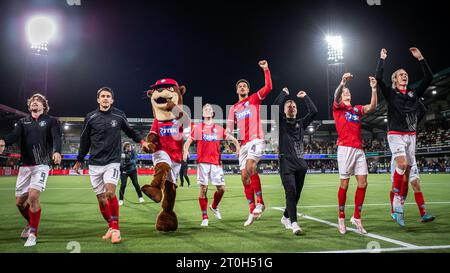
column 359, row 200
column 256, row 184
column 113, row 205
column 342, row 197
column 217, row 198
column 35, row 217
column 248, row 190
column 420, row 203
column 105, row 212
column 398, row 181
column 203, row 207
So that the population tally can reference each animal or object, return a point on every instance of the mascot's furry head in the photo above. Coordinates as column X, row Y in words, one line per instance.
column 164, row 95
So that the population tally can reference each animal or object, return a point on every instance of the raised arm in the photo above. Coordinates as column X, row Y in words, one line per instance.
column 385, row 89
column 281, row 99
column 337, row 94
column 264, row 91
column 427, row 73
column 310, row 107
column 373, row 101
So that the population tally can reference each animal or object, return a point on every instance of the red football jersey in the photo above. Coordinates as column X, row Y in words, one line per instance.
column 208, row 139
column 170, row 138
column 348, row 124
column 246, row 114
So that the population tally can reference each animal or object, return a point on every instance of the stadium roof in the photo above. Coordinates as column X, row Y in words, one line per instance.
column 7, row 112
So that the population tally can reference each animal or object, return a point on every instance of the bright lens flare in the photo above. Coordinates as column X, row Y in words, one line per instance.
column 40, row 30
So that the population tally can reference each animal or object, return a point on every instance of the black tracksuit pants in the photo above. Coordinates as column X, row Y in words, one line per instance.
column 293, row 185
column 123, row 183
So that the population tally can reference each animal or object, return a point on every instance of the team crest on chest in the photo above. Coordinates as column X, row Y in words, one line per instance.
column 42, row 123
column 113, row 123
column 410, row 94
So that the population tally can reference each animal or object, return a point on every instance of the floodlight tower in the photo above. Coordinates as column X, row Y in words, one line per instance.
column 40, row 30
column 335, row 66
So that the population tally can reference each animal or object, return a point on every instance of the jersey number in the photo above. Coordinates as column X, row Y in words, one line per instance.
column 43, row 176
column 115, row 174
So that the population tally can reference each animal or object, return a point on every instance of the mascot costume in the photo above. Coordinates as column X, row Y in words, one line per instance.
column 166, row 144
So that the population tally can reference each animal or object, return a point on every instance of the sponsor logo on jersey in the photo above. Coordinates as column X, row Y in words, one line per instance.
column 42, row 123
column 351, row 117
column 168, row 131
column 210, row 137
column 243, row 114
column 113, row 123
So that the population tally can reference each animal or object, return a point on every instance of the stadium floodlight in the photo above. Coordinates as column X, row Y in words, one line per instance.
column 66, row 127
column 434, row 92
column 311, row 129
column 40, row 30
column 385, row 119
column 335, row 48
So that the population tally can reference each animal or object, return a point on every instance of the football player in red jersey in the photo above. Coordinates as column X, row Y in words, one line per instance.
column 350, row 155
column 246, row 114
column 208, row 136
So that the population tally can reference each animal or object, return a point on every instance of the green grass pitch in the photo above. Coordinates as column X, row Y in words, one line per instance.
column 70, row 213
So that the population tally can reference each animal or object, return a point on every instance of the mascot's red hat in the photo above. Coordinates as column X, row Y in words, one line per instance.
column 165, row 82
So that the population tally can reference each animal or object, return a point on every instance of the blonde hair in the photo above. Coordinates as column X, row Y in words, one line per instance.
column 42, row 99
column 394, row 77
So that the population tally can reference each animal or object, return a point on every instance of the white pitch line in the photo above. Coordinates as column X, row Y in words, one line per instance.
column 378, row 250
column 371, row 235
column 383, row 204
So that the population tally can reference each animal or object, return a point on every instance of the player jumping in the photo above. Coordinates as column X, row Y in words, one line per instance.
column 350, row 155
column 101, row 137
column 402, row 125
column 208, row 136
column 246, row 113
column 40, row 142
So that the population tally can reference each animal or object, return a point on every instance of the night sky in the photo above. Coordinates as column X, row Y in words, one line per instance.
column 208, row 46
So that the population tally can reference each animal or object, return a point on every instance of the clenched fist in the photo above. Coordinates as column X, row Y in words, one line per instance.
column 263, row 64
column 383, row 54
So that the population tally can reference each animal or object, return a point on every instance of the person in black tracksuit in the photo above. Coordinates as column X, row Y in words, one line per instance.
column 128, row 169
column 101, row 137
column 403, row 110
column 292, row 165
column 39, row 136
column 183, row 172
